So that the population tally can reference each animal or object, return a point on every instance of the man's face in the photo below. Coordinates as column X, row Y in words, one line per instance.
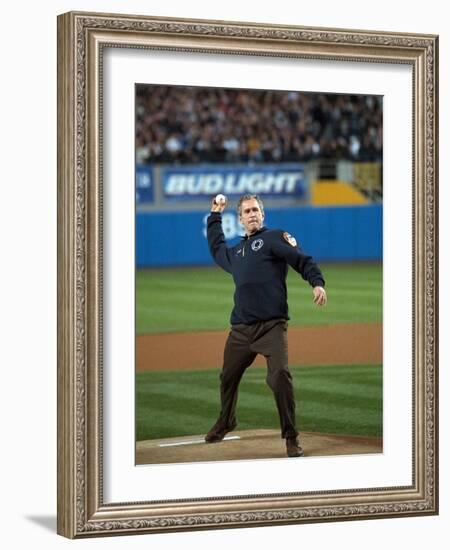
column 251, row 216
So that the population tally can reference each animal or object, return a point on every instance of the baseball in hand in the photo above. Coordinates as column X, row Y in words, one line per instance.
column 220, row 199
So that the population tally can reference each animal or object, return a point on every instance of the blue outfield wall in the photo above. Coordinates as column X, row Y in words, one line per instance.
column 351, row 233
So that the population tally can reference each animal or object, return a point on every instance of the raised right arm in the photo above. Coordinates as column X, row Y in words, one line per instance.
column 216, row 241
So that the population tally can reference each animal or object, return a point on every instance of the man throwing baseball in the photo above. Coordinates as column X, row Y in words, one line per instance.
column 259, row 266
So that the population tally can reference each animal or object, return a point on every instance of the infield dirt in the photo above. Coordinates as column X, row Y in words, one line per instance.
column 342, row 344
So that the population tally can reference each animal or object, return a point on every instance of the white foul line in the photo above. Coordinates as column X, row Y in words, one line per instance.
column 194, row 441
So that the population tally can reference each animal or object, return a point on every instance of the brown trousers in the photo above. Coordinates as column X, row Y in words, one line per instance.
column 244, row 343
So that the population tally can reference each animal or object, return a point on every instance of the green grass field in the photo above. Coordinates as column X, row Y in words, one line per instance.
column 330, row 399
column 193, row 299
column 337, row 399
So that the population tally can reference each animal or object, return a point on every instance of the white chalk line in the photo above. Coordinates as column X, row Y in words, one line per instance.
column 194, row 441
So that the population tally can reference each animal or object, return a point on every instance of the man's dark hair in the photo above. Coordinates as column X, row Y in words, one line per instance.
column 249, row 198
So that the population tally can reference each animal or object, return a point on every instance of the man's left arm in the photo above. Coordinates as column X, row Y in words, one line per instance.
column 285, row 246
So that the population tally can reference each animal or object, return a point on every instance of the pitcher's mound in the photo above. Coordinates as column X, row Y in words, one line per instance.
column 250, row 444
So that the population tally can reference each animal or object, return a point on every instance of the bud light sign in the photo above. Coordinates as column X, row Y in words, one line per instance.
column 268, row 181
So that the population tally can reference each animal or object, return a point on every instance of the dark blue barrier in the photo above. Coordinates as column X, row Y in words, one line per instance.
column 329, row 234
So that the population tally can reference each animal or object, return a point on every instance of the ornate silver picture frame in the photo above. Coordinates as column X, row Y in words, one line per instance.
column 83, row 510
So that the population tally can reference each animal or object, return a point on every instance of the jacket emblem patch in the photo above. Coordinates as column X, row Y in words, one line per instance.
column 290, row 239
column 256, row 245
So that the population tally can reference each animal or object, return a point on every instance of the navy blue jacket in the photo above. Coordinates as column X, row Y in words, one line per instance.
column 259, row 266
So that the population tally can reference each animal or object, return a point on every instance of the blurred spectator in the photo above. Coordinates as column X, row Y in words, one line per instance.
column 176, row 124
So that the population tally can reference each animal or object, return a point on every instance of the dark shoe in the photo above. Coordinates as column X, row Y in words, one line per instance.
column 218, row 432
column 293, row 448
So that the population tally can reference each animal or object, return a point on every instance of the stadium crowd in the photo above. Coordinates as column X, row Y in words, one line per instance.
column 192, row 125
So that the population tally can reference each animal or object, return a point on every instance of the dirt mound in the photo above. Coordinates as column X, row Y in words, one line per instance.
column 250, row 445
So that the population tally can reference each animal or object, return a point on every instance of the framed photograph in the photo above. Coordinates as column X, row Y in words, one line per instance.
column 298, row 151
column 335, row 132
